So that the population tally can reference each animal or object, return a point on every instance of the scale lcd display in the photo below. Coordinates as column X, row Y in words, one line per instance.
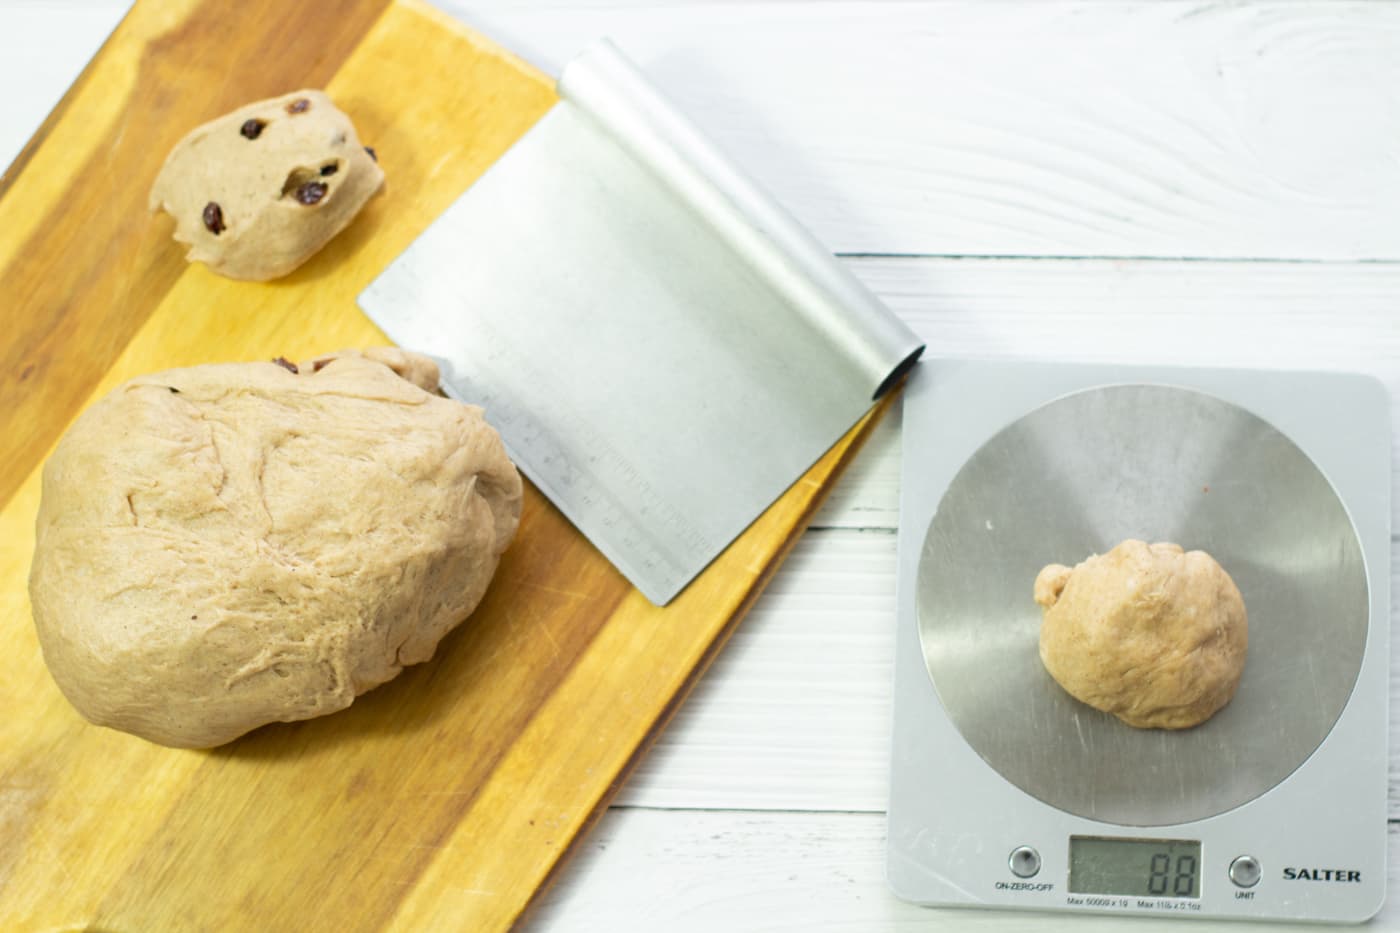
column 1135, row 867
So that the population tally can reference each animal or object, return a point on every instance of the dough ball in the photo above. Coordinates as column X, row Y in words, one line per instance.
column 258, row 191
column 230, row 545
column 1152, row 634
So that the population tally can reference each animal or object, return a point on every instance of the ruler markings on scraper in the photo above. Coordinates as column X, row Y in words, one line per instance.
column 631, row 265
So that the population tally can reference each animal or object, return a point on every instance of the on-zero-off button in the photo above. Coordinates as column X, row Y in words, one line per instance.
column 1025, row 862
column 1245, row 871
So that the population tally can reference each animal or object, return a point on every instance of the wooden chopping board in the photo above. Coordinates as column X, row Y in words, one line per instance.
column 446, row 798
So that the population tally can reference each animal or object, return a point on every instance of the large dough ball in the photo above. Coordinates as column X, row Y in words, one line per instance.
column 255, row 193
column 1152, row 634
column 229, row 545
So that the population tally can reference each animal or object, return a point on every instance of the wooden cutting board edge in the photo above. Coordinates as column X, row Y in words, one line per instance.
column 844, row 452
column 523, row 806
column 21, row 160
column 79, row 296
column 780, row 525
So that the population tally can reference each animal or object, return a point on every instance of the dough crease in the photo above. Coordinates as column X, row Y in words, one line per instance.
column 1153, row 634
column 229, row 545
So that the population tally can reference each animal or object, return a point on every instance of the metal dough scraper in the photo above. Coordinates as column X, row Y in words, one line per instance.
column 663, row 349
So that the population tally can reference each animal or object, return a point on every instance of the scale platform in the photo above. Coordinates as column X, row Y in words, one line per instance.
column 1005, row 791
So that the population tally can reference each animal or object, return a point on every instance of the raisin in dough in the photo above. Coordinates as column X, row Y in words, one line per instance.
column 229, row 545
column 258, row 191
column 1152, row 634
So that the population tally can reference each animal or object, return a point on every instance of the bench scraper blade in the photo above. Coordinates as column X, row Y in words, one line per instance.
column 663, row 349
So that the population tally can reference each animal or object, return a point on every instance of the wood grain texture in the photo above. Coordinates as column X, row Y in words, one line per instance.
column 60, row 40
column 698, row 872
column 887, row 180
column 1047, row 129
column 1185, row 128
column 443, row 799
column 82, row 262
column 796, row 714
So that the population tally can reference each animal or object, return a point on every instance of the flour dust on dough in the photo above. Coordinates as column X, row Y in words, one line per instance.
column 230, row 545
column 1153, row 634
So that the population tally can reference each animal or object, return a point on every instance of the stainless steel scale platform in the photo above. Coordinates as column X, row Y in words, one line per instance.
column 1006, row 792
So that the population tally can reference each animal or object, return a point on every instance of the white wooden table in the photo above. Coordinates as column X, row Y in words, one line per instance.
column 1210, row 183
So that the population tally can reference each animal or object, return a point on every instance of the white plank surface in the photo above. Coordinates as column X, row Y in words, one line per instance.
column 795, row 714
column 1044, row 127
column 704, row 872
column 46, row 44
column 1279, row 315
column 1063, row 128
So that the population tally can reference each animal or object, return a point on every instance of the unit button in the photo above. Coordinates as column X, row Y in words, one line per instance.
column 1025, row 862
column 1244, row 871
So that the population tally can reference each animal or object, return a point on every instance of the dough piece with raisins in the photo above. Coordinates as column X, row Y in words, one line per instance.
column 255, row 193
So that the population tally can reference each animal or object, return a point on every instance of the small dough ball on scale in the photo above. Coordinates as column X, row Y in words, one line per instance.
column 1153, row 634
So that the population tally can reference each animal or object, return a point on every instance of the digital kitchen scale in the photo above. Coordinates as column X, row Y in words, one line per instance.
column 1005, row 791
